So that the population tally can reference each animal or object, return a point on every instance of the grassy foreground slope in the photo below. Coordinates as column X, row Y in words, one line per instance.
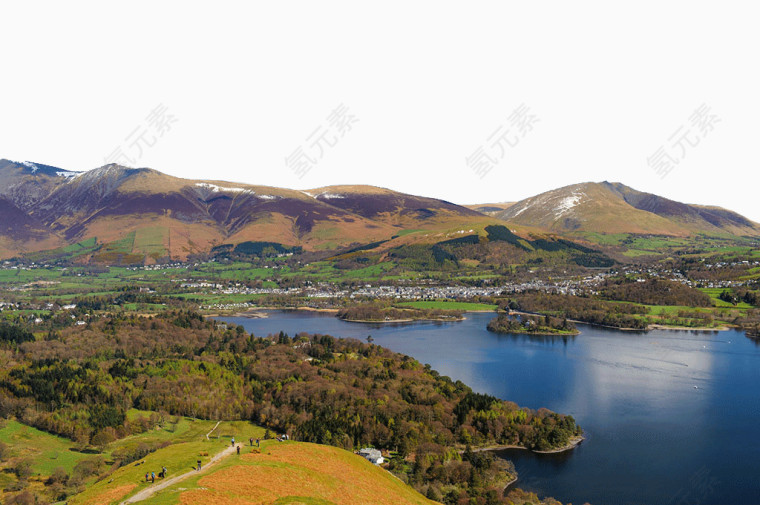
column 296, row 473
column 279, row 473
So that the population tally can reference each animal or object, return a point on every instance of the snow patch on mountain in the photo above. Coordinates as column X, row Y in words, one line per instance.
column 567, row 203
column 216, row 189
column 330, row 196
column 526, row 207
column 31, row 165
column 68, row 175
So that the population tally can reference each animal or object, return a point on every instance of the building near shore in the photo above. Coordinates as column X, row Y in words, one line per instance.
column 372, row 455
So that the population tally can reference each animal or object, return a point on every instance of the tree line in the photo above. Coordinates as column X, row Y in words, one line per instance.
column 379, row 311
column 653, row 292
column 588, row 310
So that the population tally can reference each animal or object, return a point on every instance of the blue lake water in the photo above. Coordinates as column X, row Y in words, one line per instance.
column 671, row 417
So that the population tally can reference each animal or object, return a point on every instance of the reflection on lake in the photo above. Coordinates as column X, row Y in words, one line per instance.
column 670, row 416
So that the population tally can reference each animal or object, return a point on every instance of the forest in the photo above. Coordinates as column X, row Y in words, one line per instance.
column 79, row 383
column 653, row 292
column 535, row 325
column 588, row 310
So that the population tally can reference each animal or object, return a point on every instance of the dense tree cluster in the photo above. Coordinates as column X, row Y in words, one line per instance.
column 750, row 322
column 589, row 310
column 504, row 323
column 14, row 334
column 454, row 477
column 734, row 296
column 653, row 292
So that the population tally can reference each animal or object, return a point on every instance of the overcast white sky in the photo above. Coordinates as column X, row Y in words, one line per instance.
column 428, row 83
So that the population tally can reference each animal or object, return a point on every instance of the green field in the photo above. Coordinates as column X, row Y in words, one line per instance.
column 714, row 293
column 151, row 241
column 408, row 232
column 46, row 452
column 450, row 305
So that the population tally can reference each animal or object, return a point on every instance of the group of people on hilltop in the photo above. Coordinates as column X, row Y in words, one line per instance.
column 151, row 476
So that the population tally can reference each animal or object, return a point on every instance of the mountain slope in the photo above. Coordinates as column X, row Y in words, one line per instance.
column 490, row 209
column 20, row 232
column 391, row 207
column 151, row 215
column 26, row 184
column 615, row 208
column 134, row 215
column 697, row 217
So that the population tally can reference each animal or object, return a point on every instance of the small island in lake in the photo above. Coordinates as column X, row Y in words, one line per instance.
column 532, row 325
column 378, row 313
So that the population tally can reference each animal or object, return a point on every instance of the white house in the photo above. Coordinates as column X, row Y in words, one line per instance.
column 372, row 455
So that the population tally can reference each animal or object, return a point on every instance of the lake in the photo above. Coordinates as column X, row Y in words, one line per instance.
column 671, row 417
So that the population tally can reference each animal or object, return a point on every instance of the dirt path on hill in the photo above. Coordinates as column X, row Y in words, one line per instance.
column 212, row 430
column 154, row 488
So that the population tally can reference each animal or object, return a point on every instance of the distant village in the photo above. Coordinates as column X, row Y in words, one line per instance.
column 400, row 290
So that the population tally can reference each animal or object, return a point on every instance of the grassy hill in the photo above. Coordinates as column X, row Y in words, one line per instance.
column 613, row 208
column 276, row 473
column 279, row 473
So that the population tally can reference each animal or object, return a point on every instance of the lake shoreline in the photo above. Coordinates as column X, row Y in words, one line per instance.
column 656, row 326
column 572, row 444
column 256, row 313
column 652, row 326
column 539, row 333
column 411, row 320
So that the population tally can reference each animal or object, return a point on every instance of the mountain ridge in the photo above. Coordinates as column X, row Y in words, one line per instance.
column 167, row 217
column 606, row 207
column 192, row 216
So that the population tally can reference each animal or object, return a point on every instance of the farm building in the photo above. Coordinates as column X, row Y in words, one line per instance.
column 372, row 455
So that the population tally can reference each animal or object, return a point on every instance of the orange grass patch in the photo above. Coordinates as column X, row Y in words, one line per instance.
column 112, row 494
column 302, row 471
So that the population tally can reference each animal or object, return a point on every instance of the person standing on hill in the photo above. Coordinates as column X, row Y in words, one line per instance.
column 238, row 450
column 152, row 477
column 251, row 441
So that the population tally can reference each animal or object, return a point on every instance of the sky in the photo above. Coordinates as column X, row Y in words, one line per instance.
column 471, row 102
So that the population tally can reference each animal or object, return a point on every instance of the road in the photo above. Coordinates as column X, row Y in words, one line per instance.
column 155, row 488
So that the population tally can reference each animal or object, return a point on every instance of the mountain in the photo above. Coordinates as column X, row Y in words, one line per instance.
column 142, row 214
column 391, row 207
column 606, row 207
column 116, row 214
column 490, row 209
